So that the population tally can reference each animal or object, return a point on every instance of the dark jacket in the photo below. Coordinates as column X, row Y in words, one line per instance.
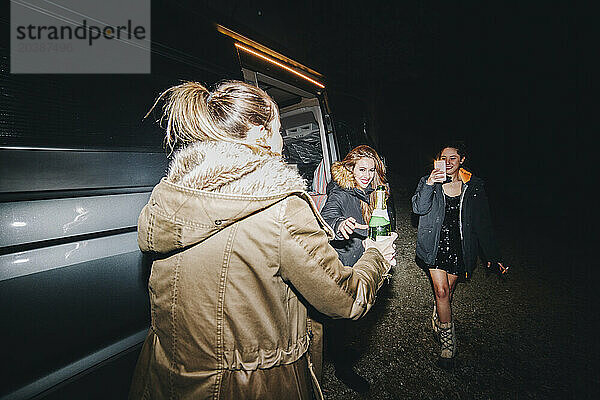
column 341, row 204
column 476, row 228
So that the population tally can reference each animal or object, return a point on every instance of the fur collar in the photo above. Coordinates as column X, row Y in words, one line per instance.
column 345, row 180
column 342, row 176
column 232, row 168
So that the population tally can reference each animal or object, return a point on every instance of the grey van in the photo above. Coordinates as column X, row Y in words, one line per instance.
column 77, row 163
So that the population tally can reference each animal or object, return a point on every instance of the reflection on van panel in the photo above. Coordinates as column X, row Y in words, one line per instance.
column 72, row 279
column 24, row 263
column 35, row 221
column 76, row 167
column 67, row 302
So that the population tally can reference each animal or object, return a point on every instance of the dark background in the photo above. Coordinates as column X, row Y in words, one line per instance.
column 498, row 75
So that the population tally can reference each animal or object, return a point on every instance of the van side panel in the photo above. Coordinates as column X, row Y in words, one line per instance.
column 73, row 283
column 78, row 160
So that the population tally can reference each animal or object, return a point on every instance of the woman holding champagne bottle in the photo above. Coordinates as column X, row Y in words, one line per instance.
column 454, row 221
column 351, row 199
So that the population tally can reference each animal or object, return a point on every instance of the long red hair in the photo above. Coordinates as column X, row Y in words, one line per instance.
column 364, row 151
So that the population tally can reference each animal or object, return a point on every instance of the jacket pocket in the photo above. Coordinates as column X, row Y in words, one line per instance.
column 425, row 239
column 424, row 233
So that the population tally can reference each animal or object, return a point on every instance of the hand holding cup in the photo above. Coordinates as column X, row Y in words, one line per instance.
column 385, row 246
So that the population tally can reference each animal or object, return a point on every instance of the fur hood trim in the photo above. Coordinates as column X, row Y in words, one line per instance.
column 342, row 176
column 210, row 186
column 232, row 168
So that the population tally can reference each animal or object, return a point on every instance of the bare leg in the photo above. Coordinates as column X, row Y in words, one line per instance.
column 443, row 285
column 443, row 288
column 452, row 279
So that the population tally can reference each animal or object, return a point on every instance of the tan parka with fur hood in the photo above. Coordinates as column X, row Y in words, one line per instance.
column 239, row 249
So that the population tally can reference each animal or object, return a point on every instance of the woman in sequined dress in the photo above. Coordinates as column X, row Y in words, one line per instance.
column 454, row 221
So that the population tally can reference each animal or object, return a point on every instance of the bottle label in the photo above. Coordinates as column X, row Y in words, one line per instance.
column 379, row 224
column 381, row 213
column 377, row 232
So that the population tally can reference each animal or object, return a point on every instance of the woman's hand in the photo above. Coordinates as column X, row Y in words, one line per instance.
column 347, row 227
column 437, row 175
column 386, row 247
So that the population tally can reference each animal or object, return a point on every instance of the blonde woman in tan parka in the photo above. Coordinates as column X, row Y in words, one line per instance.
column 239, row 251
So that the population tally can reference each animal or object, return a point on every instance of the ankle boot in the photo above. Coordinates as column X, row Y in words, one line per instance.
column 448, row 344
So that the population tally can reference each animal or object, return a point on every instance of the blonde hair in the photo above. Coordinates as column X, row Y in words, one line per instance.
column 193, row 113
column 364, row 151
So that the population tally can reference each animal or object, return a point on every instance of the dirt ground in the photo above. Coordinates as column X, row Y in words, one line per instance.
column 528, row 336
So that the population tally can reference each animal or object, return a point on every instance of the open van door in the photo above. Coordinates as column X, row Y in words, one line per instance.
column 308, row 135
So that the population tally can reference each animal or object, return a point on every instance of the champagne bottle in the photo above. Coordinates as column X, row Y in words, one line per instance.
column 379, row 224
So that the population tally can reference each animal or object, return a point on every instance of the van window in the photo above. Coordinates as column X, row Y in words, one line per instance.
column 302, row 143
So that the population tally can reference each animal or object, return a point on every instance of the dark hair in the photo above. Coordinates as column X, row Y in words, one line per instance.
column 459, row 145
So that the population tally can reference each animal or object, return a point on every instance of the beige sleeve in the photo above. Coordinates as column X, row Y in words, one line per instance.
column 312, row 266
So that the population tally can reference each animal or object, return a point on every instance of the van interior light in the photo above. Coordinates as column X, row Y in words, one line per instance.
column 268, row 59
column 239, row 38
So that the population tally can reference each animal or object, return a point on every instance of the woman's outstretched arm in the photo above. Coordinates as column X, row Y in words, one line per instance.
column 332, row 213
column 312, row 266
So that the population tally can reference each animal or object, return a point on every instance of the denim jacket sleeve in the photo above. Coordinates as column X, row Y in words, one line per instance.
column 423, row 197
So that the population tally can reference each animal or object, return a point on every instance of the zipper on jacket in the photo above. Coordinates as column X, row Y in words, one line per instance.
column 441, row 223
column 462, row 196
column 462, row 241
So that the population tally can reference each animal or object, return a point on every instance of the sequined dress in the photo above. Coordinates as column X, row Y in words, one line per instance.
column 449, row 256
